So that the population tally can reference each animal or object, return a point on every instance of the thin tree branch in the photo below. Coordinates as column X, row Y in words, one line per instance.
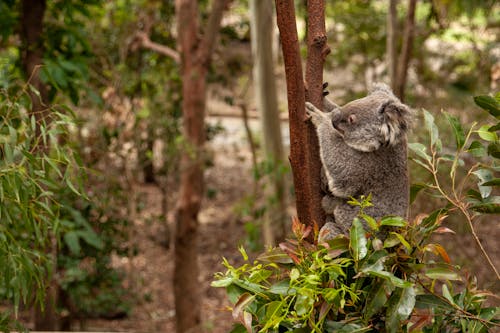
column 147, row 43
column 211, row 31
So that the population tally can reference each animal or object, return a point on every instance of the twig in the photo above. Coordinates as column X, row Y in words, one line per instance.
column 147, row 43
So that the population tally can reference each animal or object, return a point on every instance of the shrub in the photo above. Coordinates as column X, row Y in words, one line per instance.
column 366, row 282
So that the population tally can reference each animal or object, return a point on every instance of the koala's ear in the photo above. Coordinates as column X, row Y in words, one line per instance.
column 397, row 119
column 381, row 87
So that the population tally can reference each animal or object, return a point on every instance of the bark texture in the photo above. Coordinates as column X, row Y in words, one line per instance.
column 317, row 50
column 261, row 21
column 195, row 58
column 304, row 157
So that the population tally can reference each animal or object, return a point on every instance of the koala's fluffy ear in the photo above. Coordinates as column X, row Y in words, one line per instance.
column 382, row 87
column 397, row 119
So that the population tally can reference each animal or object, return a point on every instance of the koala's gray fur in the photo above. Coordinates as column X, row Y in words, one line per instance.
column 363, row 150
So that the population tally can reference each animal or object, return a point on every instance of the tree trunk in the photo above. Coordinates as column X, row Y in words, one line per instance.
column 261, row 21
column 195, row 58
column 32, row 58
column 304, row 164
column 391, row 42
column 405, row 56
column 32, row 54
column 317, row 50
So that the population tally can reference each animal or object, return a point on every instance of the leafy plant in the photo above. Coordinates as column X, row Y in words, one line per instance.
column 33, row 168
column 389, row 278
column 480, row 147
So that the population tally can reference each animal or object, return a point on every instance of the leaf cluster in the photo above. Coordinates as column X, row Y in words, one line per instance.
column 33, row 168
column 358, row 284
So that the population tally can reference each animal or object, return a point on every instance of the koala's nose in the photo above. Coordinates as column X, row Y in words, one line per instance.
column 336, row 115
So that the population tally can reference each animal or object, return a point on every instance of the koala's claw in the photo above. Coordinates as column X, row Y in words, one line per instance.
column 325, row 92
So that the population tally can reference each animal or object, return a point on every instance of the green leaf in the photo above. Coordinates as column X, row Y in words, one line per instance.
column 427, row 301
column 91, row 238
column 72, row 241
column 275, row 255
column 370, row 220
column 399, row 308
column 432, row 129
column 458, row 131
column 377, row 298
column 420, row 150
column 494, row 149
column 222, row 282
column 486, row 135
column 357, row 240
column 484, row 176
column 415, row 190
column 397, row 282
column 393, row 221
column 489, row 104
column 477, row 149
column 303, row 304
column 282, row 288
column 442, row 272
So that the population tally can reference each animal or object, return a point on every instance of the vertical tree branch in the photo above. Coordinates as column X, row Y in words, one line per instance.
column 391, row 50
column 317, row 50
column 404, row 59
column 299, row 138
column 195, row 58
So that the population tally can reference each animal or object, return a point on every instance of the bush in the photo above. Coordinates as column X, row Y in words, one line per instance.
column 390, row 278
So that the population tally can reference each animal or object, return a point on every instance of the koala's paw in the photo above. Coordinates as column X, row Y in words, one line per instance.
column 314, row 114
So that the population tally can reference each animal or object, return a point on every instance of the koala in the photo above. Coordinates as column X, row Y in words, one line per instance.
column 363, row 150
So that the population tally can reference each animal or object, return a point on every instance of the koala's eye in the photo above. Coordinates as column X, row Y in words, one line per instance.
column 351, row 119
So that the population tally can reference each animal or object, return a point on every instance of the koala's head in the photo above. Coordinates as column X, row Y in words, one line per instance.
column 377, row 120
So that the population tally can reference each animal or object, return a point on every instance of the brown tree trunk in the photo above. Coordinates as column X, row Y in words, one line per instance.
column 304, row 157
column 32, row 54
column 391, row 46
column 195, row 58
column 317, row 50
column 32, row 58
column 406, row 49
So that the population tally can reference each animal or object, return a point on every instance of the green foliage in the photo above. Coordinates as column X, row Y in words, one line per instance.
column 389, row 278
column 478, row 142
column 358, row 284
column 33, row 169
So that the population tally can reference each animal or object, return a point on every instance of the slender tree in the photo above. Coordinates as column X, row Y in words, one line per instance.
column 32, row 50
column 261, row 21
column 195, row 56
column 406, row 49
column 304, row 157
column 391, row 46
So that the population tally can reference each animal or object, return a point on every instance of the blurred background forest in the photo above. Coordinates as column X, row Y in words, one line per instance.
column 91, row 97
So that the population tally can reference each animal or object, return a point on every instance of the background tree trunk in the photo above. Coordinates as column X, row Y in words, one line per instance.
column 32, row 58
column 406, row 49
column 391, row 42
column 305, row 164
column 195, row 58
column 262, row 23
